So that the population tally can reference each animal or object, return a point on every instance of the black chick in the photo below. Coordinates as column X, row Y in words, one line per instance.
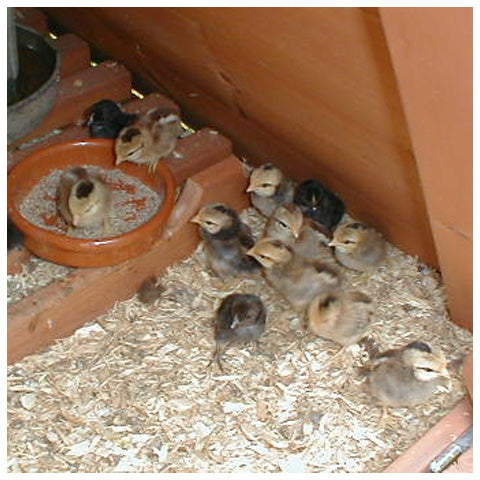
column 319, row 203
column 150, row 291
column 14, row 236
column 106, row 119
column 239, row 319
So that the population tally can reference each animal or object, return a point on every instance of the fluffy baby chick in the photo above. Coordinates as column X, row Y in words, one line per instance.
column 407, row 376
column 226, row 239
column 307, row 239
column 84, row 200
column 150, row 291
column 342, row 317
column 106, row 119
column 296, row 278
column 269, row 188
column 319, row 203
column 239, row 319
column 151, row 136
column 358, row 247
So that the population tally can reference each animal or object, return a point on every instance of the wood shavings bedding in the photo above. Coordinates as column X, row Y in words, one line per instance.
column 131, row 392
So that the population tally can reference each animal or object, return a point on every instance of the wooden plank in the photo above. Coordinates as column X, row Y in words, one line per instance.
column 80, row 90
column 58, row 309
column 33, row 18
column 418, row 457
column 432, row 54
column 74, row 132
column 15, row 259
column 74, row 52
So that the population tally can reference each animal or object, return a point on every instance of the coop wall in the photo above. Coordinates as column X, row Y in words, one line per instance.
column 321, row 92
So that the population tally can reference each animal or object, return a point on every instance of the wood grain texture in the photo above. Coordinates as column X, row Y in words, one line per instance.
column 418, row 457
column 311, row 89
column 435, row 76
column 57, row 310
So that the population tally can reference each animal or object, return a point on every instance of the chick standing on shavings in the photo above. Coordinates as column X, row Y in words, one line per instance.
column 84, row 200
column 151, row 137
column 226, row 239
column 306, row 238
column 299, row 280
column 106, row 119
column 150, row 291
column 407, row 376
column 342, row 317
column 269, row 188
column 358, row 246
column 239, row 319
column 319, row 203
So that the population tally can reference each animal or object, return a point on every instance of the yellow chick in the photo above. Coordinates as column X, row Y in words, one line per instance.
column 226, row 239
column 84, row 200
column 239, row 319
column 307, row 238
column 269, row 188
column 296, row 278
column 358, row 247
column 342, row 317
column 407, row 376
column 149, row 138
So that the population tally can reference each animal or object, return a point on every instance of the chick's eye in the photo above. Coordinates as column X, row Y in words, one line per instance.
column 265, row 185
column 427, row 369
column 348, row 242
column 282, row 223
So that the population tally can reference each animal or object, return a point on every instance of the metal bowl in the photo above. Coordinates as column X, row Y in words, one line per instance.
column 25, row 115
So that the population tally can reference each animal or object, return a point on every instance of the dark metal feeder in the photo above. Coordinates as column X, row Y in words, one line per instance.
column 32, row 94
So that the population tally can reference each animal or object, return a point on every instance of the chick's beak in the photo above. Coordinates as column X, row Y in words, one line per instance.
column 332, row 243
column 118, row 161
column 445, row 372
column 251, row 252
column 195, row 219
column 75, row 220
column 250, row 188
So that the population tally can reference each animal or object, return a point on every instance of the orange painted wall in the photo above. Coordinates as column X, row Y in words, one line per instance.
column 311, row 89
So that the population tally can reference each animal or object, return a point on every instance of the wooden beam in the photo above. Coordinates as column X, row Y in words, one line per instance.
column 57, row 310
column 418, row 457
column 432, row 55
column 74, row 52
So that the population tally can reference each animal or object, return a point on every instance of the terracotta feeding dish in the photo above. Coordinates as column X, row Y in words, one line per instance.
column 81, row 252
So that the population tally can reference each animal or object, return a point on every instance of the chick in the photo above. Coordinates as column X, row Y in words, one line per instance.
column 358, row 247
column 342, row 317
column 269, row 188
column 150, row 291
column 106, row 119
column 319, row 203
column 14, row 236
column 84, row 200
column 240, row 318
column 151, row 137
column 407, row 376
column 296, row 278
column 307, row 239
column 226, row 239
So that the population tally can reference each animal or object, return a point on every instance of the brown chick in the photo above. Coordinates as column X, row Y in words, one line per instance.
column 269, row 188
column 239, row 319
column 150, row 291
column 342, row 317
column 407, row 376
column 296, row 278
column 226, row 239
column 358, row 247
column 84, row 200
column 149, row 138
column 307, row 238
